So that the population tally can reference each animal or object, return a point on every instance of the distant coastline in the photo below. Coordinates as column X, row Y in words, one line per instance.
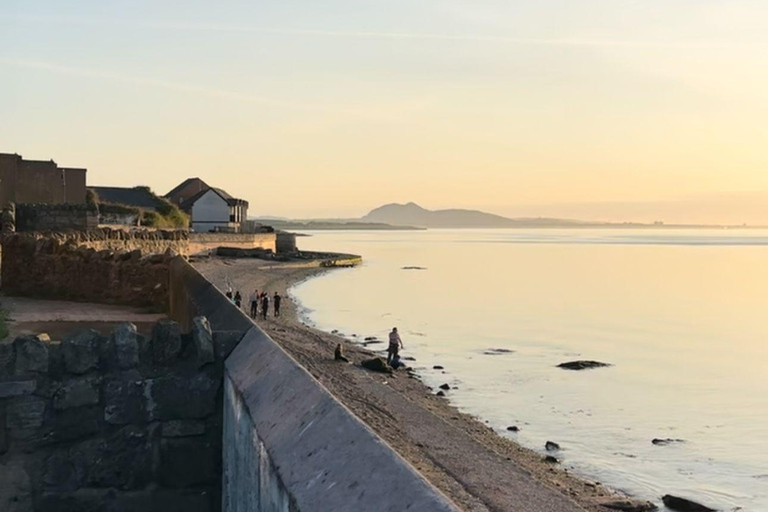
column 411, row 217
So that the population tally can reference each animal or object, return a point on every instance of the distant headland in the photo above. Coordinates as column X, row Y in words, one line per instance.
column 411, row 216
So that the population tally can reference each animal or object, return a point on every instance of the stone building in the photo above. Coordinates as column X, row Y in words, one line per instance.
column 38, row 181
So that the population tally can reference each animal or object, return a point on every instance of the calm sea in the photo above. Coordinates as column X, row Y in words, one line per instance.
column 681, row 315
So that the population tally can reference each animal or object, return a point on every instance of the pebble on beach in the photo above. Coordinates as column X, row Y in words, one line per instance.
column 551, row 446
column 582, row 365
column 446, row 387
column 438, row 367
column 513, row 428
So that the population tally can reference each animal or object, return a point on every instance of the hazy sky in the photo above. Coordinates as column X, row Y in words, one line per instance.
column 306, row 108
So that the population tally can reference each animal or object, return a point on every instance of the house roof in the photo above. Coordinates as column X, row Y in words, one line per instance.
column 178, row 188
column 140, row 197
column 231, row 201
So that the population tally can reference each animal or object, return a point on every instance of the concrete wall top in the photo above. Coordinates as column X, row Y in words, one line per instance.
column 326, row 458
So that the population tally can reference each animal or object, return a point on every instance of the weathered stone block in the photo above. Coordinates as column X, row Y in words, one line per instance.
column 125, row 401
column 74, row 424
column 83, row 500
column 126, row 341
column 7, row 358
column 60, row 473
column 25, row 414
column 183, row 428
column 122, row 461
column 173, row 398
column 13, row 388
column 166, row 500
column 15, row 489
column 31, row 354
column 166, row 342
column 80, row 352
column 202, row 341
column 187, row 462
column 77, row 393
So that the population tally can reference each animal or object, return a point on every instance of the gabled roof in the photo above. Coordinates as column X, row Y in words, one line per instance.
column 178, row 188
column 231, row 201
column 140, row 197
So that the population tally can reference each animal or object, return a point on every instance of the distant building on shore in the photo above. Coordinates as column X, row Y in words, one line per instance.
column 39, row 181
column 138, row 197
column 185, row 190
column 210, row 208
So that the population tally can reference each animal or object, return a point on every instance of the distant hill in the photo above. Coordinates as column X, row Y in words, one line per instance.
column 412, row 214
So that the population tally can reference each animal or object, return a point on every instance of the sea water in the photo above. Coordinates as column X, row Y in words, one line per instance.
column 681, row 315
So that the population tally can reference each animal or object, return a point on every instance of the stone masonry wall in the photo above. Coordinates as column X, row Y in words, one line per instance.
column 55, row 217
column 73, row 267
column 203, row 243
column 123, row 423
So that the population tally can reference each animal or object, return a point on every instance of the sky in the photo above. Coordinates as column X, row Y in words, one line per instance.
column 636, row 110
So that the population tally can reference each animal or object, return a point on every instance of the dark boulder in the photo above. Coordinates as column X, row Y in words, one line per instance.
column 376, row 364
column 666, row 441
column 582, row 365
column 551, row 460
column 440, row 393
column 445, row 387
column 513, row 428
column 551, row 446
column 630, row 506
column 438, row 367
column 125, row 339
column 684, row 505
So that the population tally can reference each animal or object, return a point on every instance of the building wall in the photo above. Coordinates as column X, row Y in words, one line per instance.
column 74, row 185
column 210, row 211
column 191, row 188
column 37, row 181
column 55, row 217
column 8, row 168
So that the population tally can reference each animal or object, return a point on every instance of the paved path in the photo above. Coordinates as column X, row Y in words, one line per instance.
column 58, row 318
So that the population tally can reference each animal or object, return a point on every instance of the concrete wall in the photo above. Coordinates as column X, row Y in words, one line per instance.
column 289, row 445
column 203, row 243
column 210, row 211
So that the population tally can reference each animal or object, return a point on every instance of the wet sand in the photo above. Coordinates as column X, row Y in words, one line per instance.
column 459, row 454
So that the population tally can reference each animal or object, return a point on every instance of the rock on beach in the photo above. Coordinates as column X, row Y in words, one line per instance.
column 582, row 365
column 684, row 505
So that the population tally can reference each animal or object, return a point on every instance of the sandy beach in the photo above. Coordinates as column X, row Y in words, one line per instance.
column 459, row 454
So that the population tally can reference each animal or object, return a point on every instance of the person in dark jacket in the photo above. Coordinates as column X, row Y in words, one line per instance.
column 264, row 306
column 276, row 302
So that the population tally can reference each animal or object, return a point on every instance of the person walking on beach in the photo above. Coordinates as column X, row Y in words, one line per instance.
column 276, row 302
column 264, row 305
column 238, row 299
column 253, row 301
column 395, row 344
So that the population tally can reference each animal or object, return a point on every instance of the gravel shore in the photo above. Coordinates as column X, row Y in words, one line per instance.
column 460, row 455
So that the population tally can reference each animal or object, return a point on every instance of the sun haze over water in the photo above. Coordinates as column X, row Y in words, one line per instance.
column 597, row 109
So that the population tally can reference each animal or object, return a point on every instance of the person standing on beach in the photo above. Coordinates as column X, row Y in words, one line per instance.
column 264, row 305
column 395, row 344
column 276, row 303
column 238, row 299
column 254, row 300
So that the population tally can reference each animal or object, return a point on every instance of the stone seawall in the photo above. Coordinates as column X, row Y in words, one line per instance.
column 86, row 269
column 118, row 423
column 204, row 243
column 289, row 445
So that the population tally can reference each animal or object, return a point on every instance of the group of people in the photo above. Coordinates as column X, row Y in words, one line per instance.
column 258, row 301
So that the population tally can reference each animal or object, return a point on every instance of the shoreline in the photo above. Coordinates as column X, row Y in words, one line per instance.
column 459, row 454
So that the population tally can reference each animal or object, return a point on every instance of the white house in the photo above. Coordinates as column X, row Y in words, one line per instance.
column 215, row 210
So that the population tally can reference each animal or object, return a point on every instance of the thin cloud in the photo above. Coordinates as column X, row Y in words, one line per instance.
column 161, row 84
column 419, row 36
